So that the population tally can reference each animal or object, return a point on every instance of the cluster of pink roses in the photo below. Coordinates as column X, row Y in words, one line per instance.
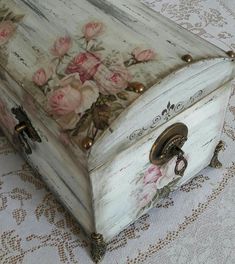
column 156, row 178
column 86, row 76
column 151, row 177
column 73, row 96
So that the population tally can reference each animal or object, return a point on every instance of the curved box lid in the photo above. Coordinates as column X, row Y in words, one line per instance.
column 81, row 64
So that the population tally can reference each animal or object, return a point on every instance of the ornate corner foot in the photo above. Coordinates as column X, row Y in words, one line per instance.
column 98, row 247
column 215, row 163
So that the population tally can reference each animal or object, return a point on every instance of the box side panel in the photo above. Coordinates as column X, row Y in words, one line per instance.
column 62, row 174
column 163, row 101
column 129, row 186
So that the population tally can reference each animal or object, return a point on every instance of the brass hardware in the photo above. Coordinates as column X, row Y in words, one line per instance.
column 137, row 87
column 168, row 145
column 231, row 54
column 187, row 58
column 180, row 168
column 215, row 163
column 87, row 143
column 98, row 247
column 25, row 128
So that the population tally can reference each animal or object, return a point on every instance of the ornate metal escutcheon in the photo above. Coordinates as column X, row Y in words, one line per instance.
column 168, row 145
column 25, row 129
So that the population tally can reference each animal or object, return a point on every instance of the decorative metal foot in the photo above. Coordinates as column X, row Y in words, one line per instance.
column 215, row 163
column 98, row 247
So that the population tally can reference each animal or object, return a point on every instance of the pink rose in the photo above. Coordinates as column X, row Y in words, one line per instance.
column 6, row 118
column 7, row 29
column 92, row 30
column 113, row 80
column 64, row 100
column 168, row 173
column 73, row 96
column 85, row 64
column 61, row 46
column 41, row 77
column 152, row 174
column 143, row 55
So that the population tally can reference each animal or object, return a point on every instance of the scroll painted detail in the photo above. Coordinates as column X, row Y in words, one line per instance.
column 154, row 183
column 85, row 92
column 169, row 112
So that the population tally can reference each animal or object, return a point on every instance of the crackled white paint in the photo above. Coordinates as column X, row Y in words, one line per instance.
column 97, row 188
column 114, row 207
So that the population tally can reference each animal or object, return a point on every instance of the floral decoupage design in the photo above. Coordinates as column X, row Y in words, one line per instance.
column 153, row 184
column 87, row 90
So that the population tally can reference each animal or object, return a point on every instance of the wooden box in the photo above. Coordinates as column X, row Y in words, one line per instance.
column 112, row 104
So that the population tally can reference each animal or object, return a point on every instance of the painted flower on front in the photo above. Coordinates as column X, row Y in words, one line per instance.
column 61, row 46
column 156, row 183
column 7, row 29
column 113, row 80
column 41, row 76
column 152, row 174
column 92, row 30
column 143, row 55
column 86, row 93
column 73, row 96
column 86, row 64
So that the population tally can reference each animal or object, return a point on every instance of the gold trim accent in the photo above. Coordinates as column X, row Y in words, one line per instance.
column 187, row 58
column 215, row 163
column 231, row 54
column 87, row 143
column 98, row 247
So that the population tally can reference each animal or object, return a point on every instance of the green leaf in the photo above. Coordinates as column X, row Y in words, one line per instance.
column 174, row 182
column 156, row 197
column 101, row 115
column 80, row 124
column 17, row 18
column 164, row 192
column 116, row 107
column 111, row 98
column 123, row 96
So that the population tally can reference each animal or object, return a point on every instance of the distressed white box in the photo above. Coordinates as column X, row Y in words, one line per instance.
column 112, row 104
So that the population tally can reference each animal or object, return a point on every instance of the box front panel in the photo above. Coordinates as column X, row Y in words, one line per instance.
column 130, row 185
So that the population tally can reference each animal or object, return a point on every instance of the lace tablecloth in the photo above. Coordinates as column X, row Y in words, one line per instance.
column 196, row 224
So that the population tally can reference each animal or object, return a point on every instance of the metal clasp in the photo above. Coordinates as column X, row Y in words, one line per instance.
column 25, row 129
column 168, row 145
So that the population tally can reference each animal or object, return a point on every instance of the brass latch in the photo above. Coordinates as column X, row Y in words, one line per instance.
column 168, row 145
column 25, row 129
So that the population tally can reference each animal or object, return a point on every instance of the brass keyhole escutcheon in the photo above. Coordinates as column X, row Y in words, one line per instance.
column 24, row 130
column 168, row 145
